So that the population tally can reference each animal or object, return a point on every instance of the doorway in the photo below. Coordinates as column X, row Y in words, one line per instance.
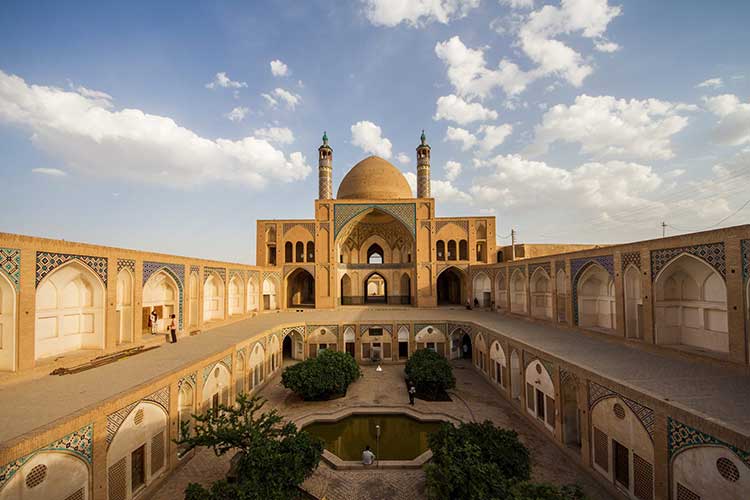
column 466, row 346
column 449, row 288
column 376, row 289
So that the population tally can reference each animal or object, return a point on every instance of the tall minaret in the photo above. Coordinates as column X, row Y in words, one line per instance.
column 325, row 170
column 423, row 168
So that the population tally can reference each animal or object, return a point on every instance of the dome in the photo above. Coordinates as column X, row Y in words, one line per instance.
column 374, row 179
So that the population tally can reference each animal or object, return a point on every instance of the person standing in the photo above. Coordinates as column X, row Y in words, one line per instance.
column 152, row 319
column 173, row 328
column 368, row 457
column 412, row 393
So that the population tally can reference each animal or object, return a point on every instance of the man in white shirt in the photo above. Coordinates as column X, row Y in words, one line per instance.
column 368, row 457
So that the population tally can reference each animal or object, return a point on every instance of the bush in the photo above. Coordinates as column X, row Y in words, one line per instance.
column 431, row 374
column 323, row 377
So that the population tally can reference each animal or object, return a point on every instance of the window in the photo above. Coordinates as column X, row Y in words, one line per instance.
column 463, row 250
column 138, row 468
column 299, row 252
column 440, row 250
column 540, row 404
column 375, row 254
column 310, row 251
column 431, row 346
column 451, row 250
column 288, row 251
column 621, row 457
column 375, row 332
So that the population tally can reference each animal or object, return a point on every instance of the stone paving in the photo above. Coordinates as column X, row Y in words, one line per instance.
column 476, row 400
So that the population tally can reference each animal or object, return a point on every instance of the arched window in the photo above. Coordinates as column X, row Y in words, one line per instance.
column 310, row 251
column 463, row 250
column 499, row 256
column 300, row 252
column 440, row 250
column 288, row 252
column 375, row 254
column 452, row 250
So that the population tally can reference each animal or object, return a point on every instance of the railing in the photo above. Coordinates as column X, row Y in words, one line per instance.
column 359, row 300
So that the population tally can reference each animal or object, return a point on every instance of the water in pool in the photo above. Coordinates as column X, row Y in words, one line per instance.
column 401, row 437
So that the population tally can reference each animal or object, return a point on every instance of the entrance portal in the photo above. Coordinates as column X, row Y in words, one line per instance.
column 300, row 289
column 449, row 287
column 376, row 289
column 466, row 346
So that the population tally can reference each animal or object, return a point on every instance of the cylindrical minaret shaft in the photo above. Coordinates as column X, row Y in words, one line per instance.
column 423, row 168
column 325, row 170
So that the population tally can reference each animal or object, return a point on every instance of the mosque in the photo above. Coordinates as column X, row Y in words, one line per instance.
column 631, row 358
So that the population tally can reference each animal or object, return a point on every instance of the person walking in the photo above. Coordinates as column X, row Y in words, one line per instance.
column 368, row 457
column 152, row 319
column 412, row 393
column 173, row 328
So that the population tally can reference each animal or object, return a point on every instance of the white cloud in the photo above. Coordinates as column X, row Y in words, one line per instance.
column 609, row 127
column 279, row 135
column 494, row 135
column 416, row 12
column 222, row 80
column 53, row 172
column 237, row 114
column 712, row 83
column 368, row 136
column 605, row 46
column 470, row 76
column 518, row 4
column 270, row 100
column 403, row 158
column 452, row 107
column 452, row 170
column 443, row 191
column 134, row 145
column 278, row 68
column 457, row 134
column 734, row 119
column 290, row 98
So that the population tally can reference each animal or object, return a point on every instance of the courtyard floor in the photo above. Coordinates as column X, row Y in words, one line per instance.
column 473, row 399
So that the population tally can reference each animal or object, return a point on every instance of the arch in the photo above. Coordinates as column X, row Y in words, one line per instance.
column 273, row 350
column 480, row 352
column 256, row 365
column 405, row 289
column 571, row 416
column 300, row 289
column 7, row 324
column 236, row 295
column 431, row 337
column 213, row 297
column 70, row 304
column 193, row 299
column 540, row 394
column 440, row 250
column 501, row 291
column 185, row 404
column 216, row 385
column 621, row 445
column 452, row 250
column 310, row 251
column 292, row 345
column 463, row 250
column 299, row 252
column 161, row 294
column 65, row 476
column 518, row 292
column 561, row 287
column 288, row 252
column 137, row 453
column 375, row 254
column 691, row 305
column 450, row 286
column 499, row 363
column 695, row 469
column 596, row 298
column 346, row 291
column 376, row 289
column 252, row 293
column 516, row 375
column 482, row 290
column 541, row 294
column 239, row 374
column 124, row 306
column 633, row 303
column 270, row 292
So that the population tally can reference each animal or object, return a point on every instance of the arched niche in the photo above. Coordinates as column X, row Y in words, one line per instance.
column 270, row 294
column 561, row 285
column 518, row 292
column 252, row 293
column 516, row 375
column 124, row 306
column 70, row 303
column 541, row 294
column 451, row 286
column 405, row 289
column 213, row 297
column 709, row 472
column 480, row 352
column 216, row 387
column 257, row 365
column 239, row 373
column 498, row 362
column 273, row 353
column 7, row 324
column 501, row 291
column 633, row 303
column 347, row 296
column 596, row 298
column 430, row 337
column 193, row 299
column 540, row 394
column 236, row 295
column 49, row 475
column 690, row 300
column 160, row 294
column 482, row 290
column 300, row 289
column 185, row 403
column 293, row 346
column 137, row 454
column 321, row 338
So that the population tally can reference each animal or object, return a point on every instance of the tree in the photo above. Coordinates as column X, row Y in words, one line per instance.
column 325, row 376
column 431, row 374
column 272, row 458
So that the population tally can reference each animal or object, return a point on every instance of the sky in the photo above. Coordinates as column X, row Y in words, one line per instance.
column 172, row 126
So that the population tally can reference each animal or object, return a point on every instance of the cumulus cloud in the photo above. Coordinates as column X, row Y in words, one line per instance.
column 609, row 127
column 289, row 98
column 518, row 4
column 270, row 100
column 279, row 135
column 52, row 172
column 494, row 135
column 734, row 119
column 442, row 190
column 457, row 134
column 403, row 158
column 454, row 108
column 416, row 13
column 452, row 170
column 221, row 80
column 237, row 114
column 711, row 83
column 278, row 68
column 368, row 136
column 135, row 145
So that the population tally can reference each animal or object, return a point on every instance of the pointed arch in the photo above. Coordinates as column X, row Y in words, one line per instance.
column 213, row 297
column 501, row 290
column 167, row 300
column 270, row 293
column 518, row 292
column 541, row 294
column 70, row 305
column 256, row 365
column 696, row 470
column 451, row 286
column 124, row 306
column 216, row 387
column 300, row 289
column 516, row 375
column 540, row 394
column 273, row 352
column 561, row 286
column 633, row 302
column 375, row 288
column 252, row 292
column 49, row 474
column 595, row 298
column 193, row 299
column 482, row 288
column 405, row 289
column 185, row 403
column 499, row 363
column 7, row 324
column 236, row 295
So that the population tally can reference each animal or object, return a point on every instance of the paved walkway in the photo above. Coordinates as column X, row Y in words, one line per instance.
column 716, row 393
column 387, row 388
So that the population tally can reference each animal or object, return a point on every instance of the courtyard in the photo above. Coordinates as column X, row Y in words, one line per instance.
column 474, row 399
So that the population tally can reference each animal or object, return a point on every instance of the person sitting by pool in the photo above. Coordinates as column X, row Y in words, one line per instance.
column 368, row 457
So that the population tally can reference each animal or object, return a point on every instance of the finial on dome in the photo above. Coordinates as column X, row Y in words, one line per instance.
column 423, row 138
column 325, row 138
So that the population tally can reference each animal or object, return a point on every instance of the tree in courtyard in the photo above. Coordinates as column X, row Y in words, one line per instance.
column 272, row 457
column 431, row 374
column 325, row 376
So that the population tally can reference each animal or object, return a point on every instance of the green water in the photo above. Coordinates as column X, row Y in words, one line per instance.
column 401, row 437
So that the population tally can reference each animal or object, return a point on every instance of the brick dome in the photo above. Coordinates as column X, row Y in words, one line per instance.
column 374, row 179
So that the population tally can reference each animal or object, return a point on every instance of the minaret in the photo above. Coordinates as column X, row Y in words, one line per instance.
column 423, row 168
column 325, row 170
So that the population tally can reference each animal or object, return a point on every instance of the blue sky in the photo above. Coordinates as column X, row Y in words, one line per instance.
column 573, row 121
